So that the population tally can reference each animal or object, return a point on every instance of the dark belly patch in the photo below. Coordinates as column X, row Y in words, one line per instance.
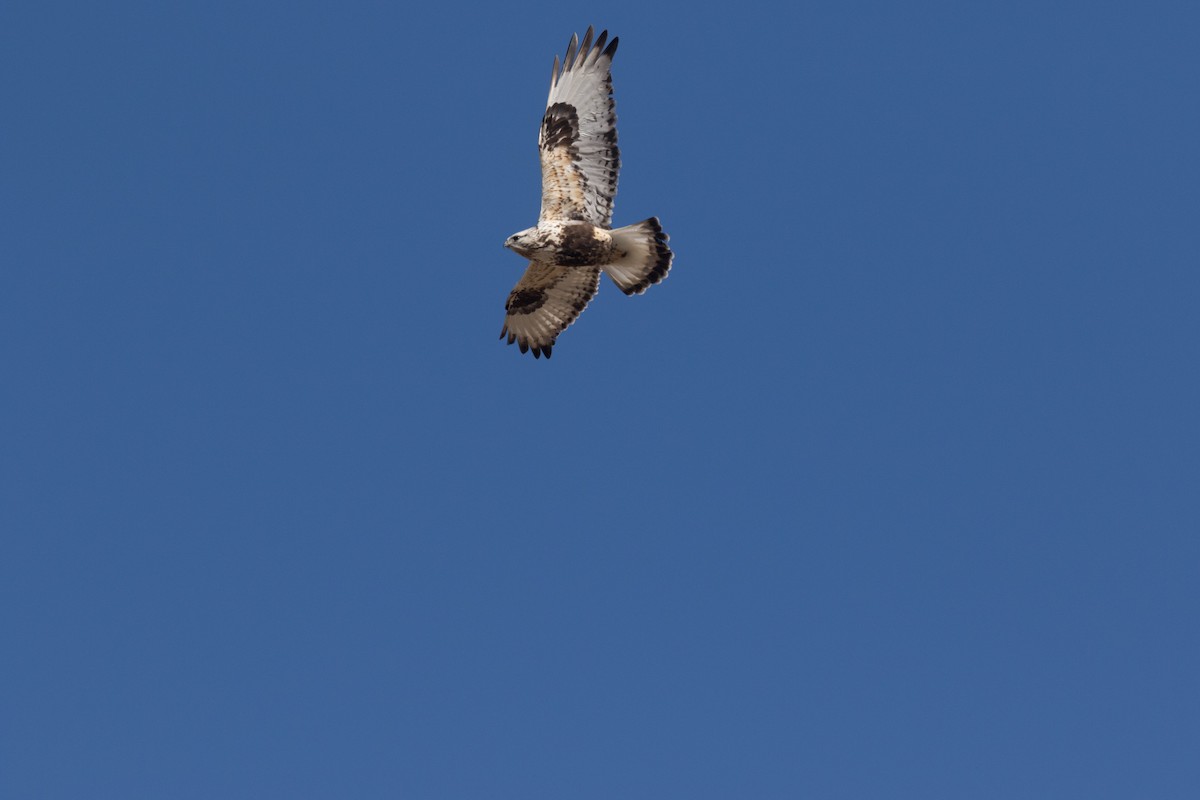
column 580, row 248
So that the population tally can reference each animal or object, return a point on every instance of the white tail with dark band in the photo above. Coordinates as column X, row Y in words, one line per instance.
column 645, row 260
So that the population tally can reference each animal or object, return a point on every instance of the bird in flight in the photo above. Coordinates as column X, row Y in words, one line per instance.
column 574, row 241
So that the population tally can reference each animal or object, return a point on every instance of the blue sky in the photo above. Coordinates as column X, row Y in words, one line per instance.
column 890, row 490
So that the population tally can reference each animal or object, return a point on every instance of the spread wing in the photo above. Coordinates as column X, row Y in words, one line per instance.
column 544, row 302
column 578, row 140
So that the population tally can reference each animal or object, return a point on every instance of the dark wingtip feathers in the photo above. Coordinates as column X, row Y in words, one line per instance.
column 538, row 350
column 569, row 58
column 578, row 54
column 586, row 47
column 525, row 346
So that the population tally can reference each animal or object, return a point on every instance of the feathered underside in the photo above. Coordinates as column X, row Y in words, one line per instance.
column 544, row 302
column 578, row 137
column 580, row 161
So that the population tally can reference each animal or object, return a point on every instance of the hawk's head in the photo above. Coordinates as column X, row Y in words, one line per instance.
column 526, row 242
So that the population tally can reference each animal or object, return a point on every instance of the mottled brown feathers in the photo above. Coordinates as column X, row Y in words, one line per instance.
column 573, row 240
column 560, row 126
column 545, row 301
column 581, row 248
column 578, row 136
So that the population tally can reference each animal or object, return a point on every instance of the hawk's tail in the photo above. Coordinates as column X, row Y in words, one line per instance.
column 644, row 258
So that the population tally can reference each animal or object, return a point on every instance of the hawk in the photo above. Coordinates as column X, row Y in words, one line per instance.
column 574, row 241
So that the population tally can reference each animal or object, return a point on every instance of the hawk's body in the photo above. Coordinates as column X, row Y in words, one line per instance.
column 573, row 241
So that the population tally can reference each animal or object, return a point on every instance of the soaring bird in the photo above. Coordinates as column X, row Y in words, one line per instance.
column 573, row 241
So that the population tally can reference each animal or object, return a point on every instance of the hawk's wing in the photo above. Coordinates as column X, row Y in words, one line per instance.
column 544, row 302
column 578, row 140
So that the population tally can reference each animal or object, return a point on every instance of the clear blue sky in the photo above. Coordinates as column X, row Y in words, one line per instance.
column 892, row 489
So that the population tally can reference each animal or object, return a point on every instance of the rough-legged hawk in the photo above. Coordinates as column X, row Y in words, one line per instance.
column 573, row 241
